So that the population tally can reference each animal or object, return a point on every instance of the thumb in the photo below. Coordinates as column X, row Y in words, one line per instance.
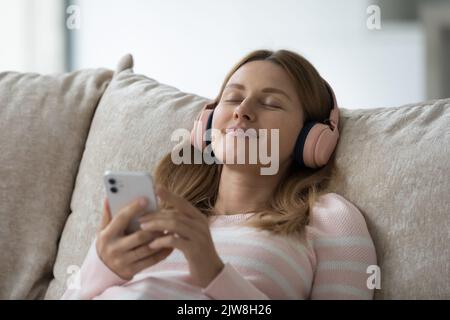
column 106, row 216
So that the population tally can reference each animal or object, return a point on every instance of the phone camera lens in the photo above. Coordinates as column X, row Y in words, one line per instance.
column 112, row 181
column 113, row 189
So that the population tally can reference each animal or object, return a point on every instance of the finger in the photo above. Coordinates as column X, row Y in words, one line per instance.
column 171, row 241
column 136, row 239
column 123, row 218
column 179, row 203
column 139, row 253
column 197, row 226
column 180, row 226
column 106, row 216
column 153, row 259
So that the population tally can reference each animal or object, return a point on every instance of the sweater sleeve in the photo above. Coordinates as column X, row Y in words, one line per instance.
column 231, row 285
column 94, row 278
column 343, row 248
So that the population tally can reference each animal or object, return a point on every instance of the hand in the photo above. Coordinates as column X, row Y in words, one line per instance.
column 126, row 255
column 188, row 231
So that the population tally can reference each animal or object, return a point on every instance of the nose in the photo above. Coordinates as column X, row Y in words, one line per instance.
column 243, row 111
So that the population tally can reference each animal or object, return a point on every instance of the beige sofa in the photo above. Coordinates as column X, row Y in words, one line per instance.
column 60, row 132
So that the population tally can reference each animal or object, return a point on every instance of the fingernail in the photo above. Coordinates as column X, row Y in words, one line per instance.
column 143, row 202
column 144, row 225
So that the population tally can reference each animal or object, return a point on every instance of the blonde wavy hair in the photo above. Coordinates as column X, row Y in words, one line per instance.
column 299, row 188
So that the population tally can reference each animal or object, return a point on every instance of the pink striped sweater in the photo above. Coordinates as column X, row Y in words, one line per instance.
column 330, row 263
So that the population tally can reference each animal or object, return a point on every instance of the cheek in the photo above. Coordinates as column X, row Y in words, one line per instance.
column 221, row 118
column 217, row 141
column 220, row 121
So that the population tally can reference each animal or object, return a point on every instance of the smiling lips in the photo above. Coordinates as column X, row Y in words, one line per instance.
column 239, row 131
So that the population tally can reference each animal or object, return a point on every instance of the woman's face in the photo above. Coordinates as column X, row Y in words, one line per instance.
column 259, row 95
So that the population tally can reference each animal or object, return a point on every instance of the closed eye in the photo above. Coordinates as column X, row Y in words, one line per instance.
column 264, row 104
column 233, row 100
column 271, row 105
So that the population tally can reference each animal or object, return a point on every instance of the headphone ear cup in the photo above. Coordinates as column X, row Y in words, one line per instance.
column 300, row 143
column 201, row 125
column 317, row 141
column 315, row 144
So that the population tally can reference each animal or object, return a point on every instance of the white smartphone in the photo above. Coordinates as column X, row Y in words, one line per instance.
column 124, row 187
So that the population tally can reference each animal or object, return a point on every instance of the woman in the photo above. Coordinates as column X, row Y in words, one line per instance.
column 240, row 234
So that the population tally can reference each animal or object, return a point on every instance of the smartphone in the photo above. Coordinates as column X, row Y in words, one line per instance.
column 124, row 187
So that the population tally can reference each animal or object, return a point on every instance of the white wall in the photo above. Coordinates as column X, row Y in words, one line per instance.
column 32, row 35
column 192, row 44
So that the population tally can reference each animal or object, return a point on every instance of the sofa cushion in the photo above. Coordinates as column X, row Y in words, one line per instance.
column 130, row 131
column 394, row 164
column 44, row 121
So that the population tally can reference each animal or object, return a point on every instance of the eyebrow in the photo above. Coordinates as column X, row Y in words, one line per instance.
column 268, row 90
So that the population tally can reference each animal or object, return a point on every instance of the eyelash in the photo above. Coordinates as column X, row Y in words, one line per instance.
column 268, row 105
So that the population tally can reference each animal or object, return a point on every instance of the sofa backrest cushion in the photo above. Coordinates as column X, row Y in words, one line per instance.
column 394, row 165
column 44, row 122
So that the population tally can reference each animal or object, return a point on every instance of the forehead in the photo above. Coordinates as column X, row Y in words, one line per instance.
column 263, row 74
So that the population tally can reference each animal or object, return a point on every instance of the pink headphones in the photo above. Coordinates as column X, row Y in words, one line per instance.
column 313, row 148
